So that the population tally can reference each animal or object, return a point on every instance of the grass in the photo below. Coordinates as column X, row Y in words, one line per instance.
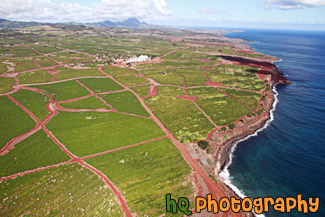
column 94, row 132
column 181, row 117
column 130, row 79
column 193, row 76
column 249, row 98
column 6, row 83
column 146, row 173
column 69, row 190
column 63, row 90
column 13, row 121
column 221, row 108
column 34, row 77
column 112, row 70
column 239, row 80
column 86, row 103
column 125, row 102
column 163, row 76
column 34, row 102
column 36, row 151
column 67, row 73
column 142, row 90
column 20, row 51
column 98, row 85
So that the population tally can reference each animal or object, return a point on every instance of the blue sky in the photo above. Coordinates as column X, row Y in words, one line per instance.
column 289, row 14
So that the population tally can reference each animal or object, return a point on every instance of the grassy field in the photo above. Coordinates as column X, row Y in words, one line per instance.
column 111, row 70
column 181, row 117
column 34, row 77
column 135, row 172
column 66, row 73
column 249, row 98
column 69, row 190
column 36, row 151
column 130, row 79
column 221, row 108
column 13, row 121
column 6, row 83
column 239, row 80
column 94, row 132
column 193, row 76
column 163, row 76
column 20, row 51
column 63, row 90
column 34, row 102
column 142, row 90
column 98, row 85
column 125, row 102
column 87, row 103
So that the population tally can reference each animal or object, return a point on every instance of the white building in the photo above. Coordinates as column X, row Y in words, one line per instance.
column 141, row 58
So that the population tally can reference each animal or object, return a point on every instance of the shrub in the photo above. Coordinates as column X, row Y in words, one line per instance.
column 232, row 126
column 203, row 144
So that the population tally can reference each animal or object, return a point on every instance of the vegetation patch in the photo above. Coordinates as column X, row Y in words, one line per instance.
column 6, row 84
column 134, row 170
column 64, row 90
column 99, row 85
column 34, row 77
column 69, row 190
column 142, row 90
column 221, row 108
column 94, row 132
column 181, row 117
column 249, row 98
column 13, row 121
column 125, row 102
column 86, row 103
column 36, row 151
column 34, row 102
column 67, row 73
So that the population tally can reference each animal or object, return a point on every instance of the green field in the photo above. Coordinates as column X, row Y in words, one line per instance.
column 125, row 102
column 98, row 85
column 34, row 102
column 36, row 151
column 94, row 132
column 249, row 98
column 14, row 121
column 69, row 190
column 163, row 76
column 86, row 103
column 67, row 73
column 221, row 108
column 6, row 83
column 142, row 90
column 135, row 172
column 239, row 80
column 181, row 117
column 63, row 90
column 130, row 79
column 34, row 77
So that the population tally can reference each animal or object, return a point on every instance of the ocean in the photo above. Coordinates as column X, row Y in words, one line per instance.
column 287, row 157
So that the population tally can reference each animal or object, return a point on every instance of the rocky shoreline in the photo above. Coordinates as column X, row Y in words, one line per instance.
column 222, row 142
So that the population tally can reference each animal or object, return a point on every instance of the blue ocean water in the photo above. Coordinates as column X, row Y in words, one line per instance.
column 288, row 157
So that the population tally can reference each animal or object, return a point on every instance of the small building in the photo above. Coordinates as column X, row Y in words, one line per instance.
column 141, row 58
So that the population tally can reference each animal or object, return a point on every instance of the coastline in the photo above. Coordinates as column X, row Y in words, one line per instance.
column 224, row 173
column 217, row 162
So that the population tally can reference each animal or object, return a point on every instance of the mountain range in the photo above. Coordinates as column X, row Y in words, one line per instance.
column 128, row 23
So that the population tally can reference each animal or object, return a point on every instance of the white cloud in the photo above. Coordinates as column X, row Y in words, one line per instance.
column 207, row 10
column 47, row 11
column 292, row 4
